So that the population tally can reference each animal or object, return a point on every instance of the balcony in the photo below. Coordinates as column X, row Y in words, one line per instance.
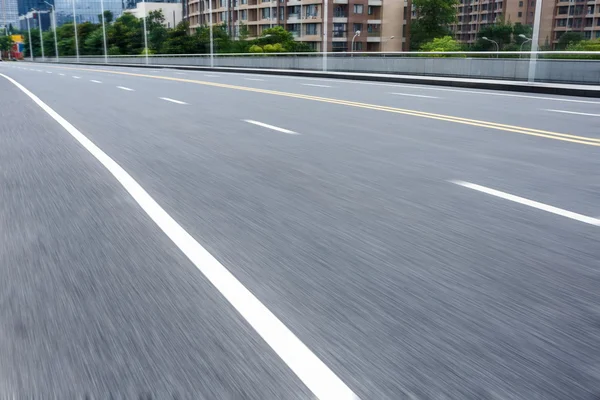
column 374, row 21
column 373, row 39
column 340, row 1
column 375, row 2
column 339, row 36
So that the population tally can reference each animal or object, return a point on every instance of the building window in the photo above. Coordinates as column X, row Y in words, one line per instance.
column 357, row 27
column 519, row 14
column 358, row 9
column 311, row 29
column 339, row 30
column 265, row 13
column 281, row 13
column 244, row 15
column 484, row 17
column 312, row 11
column 339, row 46
column 597, row 34
column 358, row 46
column 587, row 35
column 370, row 10
column 520, row 4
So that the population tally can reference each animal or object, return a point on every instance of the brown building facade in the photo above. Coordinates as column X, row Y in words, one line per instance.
column 380, row 25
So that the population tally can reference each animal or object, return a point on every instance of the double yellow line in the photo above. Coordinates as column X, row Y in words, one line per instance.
column 466, row 121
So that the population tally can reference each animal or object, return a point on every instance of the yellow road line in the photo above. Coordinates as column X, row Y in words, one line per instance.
column 459, row 120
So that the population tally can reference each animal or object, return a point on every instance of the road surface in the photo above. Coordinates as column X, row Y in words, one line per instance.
column 179, row 234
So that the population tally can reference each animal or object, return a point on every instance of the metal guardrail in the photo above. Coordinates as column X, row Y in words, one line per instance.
column 541, row 66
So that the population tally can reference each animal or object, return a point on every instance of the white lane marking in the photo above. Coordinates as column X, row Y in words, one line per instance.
column 211, row 76
column 180, row 73
column 48, row 72
column 323, row 382
column 172, row 100
column 76, row 77
column 572, row 112
column 62, row 74
column 415, row 95
column 126, row 88
column 275, row 128
column 254, row 79
column 530, row 203
column 92, row 80
column 314, row 84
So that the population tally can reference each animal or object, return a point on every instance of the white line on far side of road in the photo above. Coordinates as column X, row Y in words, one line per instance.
column 172, row 100
column 322, row 381
column 125, row 88
column 95, row 81
column 275, row 128
column 572, row 112
column 314, row 84
column 415, row 95
column 530, row 203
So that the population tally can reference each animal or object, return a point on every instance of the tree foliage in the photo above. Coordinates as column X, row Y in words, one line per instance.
column 445, row 43
column 569, row 39
column 433, row 19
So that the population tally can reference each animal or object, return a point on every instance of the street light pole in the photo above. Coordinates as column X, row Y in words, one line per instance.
column 325, row 23
column 145, row 32
column 29, row 31
column 104, row 31
column 496, row 43
column 210, row 29
column 357, row 33
column 525, row 41
column 535, row 39
column 54, row 25
column 41, row 37
column 75, row 28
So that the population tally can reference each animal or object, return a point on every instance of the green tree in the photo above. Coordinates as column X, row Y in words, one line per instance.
column 568, row 39
column 520, row 29
column 6, row 43
column 500, row 33
column 445, row 43
column 433, row 19
column 127, row 34
column 157, row 33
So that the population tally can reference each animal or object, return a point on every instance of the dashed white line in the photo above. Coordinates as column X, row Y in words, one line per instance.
column 275, row 128
column 530, row 203
column 415, row 95
column 62, row 74
column 254, row 79
column 76, row 77
column 314, row 84
column 211, row 76
column 48, row 72
column 125, row 88
column 180, row 73
column 172, row 100
column 95, row 81
column 319, row 379
column 573, row 112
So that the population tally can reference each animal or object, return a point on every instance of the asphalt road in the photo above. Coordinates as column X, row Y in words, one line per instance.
column 422, row 242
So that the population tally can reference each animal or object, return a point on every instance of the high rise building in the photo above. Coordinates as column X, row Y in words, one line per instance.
column 559, row 17
column 305, row 20
column 26, row 6
column 130, row 4
column 9, row 15
column 85, row 10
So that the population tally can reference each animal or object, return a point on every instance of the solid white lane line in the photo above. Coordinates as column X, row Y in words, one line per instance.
column 126, row 88
column 275, row 128
column 76, row 77
column 572, row 112
column 92, row 80
column 314, row 84
column 530, row 203
column 254, row 79
column 323, row 382
column 172, row 100
column 415, row 95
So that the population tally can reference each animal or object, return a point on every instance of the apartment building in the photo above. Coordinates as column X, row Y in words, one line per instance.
column 305, row 20
column 473, row 15
column 561, row 16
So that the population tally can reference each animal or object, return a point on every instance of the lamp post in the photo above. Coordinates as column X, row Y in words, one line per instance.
column 145, row 32
column 357, row 33
column 41, row 37
column 75, row 28
column 325, row 23
column 496, row 43
column 210, row 29
column 104, row 31
column 54, row 26
column 525, row 41
column 535, row 39
column 29, row 32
